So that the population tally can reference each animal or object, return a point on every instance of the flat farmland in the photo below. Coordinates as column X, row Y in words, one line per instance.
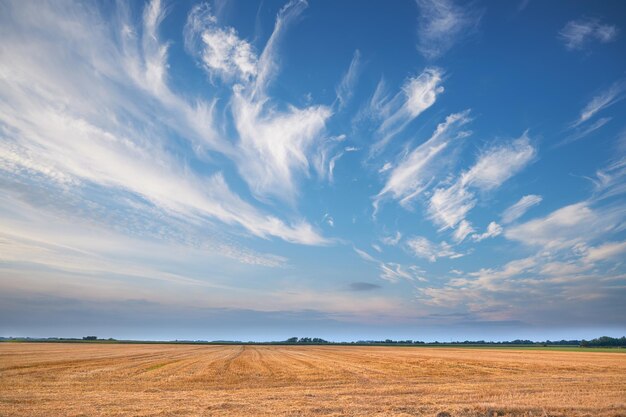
column 40, row 379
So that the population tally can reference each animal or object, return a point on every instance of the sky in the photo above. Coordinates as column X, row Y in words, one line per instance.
column 426, row 170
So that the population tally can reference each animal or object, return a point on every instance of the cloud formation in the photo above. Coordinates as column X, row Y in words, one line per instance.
column 518, row 209
column 493, row 230
column 443, row 23
column 414, row 172
column 221, row 51
column 604, row 99
column 578, row 34
column 274, row 146
column 391, row 271
column 567, row 227
column 418, row 94
column 424, row 248
column 345, row 89
column 57, row 128
column 449, row 205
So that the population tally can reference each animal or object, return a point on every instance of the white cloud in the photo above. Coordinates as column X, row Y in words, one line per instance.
column 386, row 167
column 463, row 229
column 394, row 272
column 220, row 51
column 392, row 240
column 498, row 164
column 493, row 230
column 583, row 131
column 563, row 278
column 418, row 94
column 518, row 209
column 60, row 238
column 323, row 162
column 566, row 227
column 611, row 180
column 364, row 255
column 577, row 34
column 569, row 268
column 275, row 146
column 606, row 98
column 442, row 23
column 391, row 271
column 609, row 250
column 86, row 130
column 345, row 89
column 268, row 62
column 449, row 205
column 413, row 174
column 424, row 248
column 135, row 56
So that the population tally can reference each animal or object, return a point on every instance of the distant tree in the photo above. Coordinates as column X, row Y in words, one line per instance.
column 605, row 341
column 292, row 340
column 90, row 338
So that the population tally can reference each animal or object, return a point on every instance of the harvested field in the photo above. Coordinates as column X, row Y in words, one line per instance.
column 209, row 380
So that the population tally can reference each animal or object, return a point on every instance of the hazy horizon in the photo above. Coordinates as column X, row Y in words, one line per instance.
column 431, row 170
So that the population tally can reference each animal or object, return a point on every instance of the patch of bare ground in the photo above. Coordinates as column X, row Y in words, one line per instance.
column 191, row 380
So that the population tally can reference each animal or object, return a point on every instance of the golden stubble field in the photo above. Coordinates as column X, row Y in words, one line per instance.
column 186, row 380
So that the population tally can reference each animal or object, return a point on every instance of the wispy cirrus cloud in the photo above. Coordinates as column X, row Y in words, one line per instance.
column 394, row 272
column 584, row 131
column 499, row 163
column 567, row 227
column 274, row 146
column 391, row 271
column 392, row 240
column 448, row 206
column 325, row 158
column 518, row 209
column 610, row 181
column 424, row 248
column 417, row 95
column 583, row 127
column 220, row 50
column 413, row 173
column 567, row 270
column 493, row 230
column 604, row 99
column 578, row 34
column 463, row 229
column 575, row 262
column 345, row 89
column 443, row 23
column 605, row 251
column 87, row 131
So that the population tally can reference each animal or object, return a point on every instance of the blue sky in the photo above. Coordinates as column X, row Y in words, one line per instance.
column 347, row 170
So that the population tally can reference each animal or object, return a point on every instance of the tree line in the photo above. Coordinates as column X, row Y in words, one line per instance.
column 604, row 341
